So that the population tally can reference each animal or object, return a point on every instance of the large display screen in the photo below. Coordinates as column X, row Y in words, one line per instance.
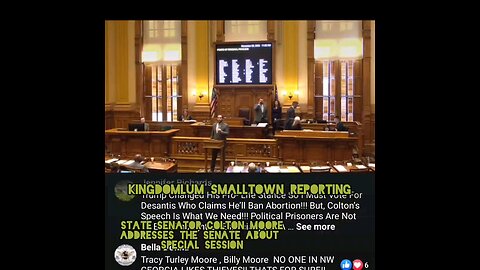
column 244, row 63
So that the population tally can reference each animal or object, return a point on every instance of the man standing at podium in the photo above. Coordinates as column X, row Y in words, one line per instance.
column 220, row 131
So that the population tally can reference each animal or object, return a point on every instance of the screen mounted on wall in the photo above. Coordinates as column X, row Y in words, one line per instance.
column 244, row 63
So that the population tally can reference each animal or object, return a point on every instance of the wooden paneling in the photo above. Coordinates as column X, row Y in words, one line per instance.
column 311, row 76
column 231, row 99
column 271, row 30
column 189, row 152
column 201, row 66
column 319, row 152
column 147, row 143
column 201, row 116
column 220, row 31
column 368, row 117
column 357, row 90
column 121, row 62
column 183, row 84
column 354, row 128
column 369, row 147
column 133, row 145
column 290, row 54
column 303, row 147
column 147, row 101
column 204, row 130
column 184, row 128
column 235, row 121
column 119, row 119
column 318, row 88
column 314, row 134
column 139, row 68
column 372, row 127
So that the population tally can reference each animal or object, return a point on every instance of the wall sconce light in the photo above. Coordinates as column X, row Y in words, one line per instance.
column 291, row 94
column 200, row 95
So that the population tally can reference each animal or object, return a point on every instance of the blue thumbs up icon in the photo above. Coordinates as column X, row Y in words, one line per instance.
column 346, row 265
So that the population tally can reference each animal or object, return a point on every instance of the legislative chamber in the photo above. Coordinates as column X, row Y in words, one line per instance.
column 265, row 96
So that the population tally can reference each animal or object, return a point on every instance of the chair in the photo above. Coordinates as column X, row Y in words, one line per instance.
column 245, row 113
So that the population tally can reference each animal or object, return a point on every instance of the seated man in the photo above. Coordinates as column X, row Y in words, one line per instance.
column 114, row 167
column 252, row 168
column 185, row 115
column 296, row 124
column 137, row 165
column 339, row 126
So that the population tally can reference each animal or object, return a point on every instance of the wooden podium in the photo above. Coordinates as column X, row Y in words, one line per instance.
column 214, row 144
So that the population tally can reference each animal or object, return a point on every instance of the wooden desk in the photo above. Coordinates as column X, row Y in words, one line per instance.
column 183, row 127
column 309, row 146
column 157, row 166
column 352, row 126
column 282, row 169
column 189, row 151
column 201, row 129
column 235, row 121
column 168, row 167
column 272, row 169
column 350, row 168
column 148, row 143
column 237, row 169
column 315, row 133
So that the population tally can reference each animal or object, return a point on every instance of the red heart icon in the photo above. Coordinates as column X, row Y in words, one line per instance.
column 357, row 265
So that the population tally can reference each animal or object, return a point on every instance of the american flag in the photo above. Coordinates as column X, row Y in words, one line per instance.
column 213, row 103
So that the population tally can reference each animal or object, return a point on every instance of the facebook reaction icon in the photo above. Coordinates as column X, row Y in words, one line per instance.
column 357, row 265
column 346, row 265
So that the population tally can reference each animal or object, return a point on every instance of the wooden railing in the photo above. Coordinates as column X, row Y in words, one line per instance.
column 189, row 152
column 288, row 146
column 354, row 127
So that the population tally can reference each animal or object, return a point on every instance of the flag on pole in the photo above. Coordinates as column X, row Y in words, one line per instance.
column 213, row 103
column 276, row 93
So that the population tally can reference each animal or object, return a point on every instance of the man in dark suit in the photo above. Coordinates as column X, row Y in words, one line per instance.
column 145, row 124
column 291, row 115
column 260, row 112
column 339, row 126
column 220, row 131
